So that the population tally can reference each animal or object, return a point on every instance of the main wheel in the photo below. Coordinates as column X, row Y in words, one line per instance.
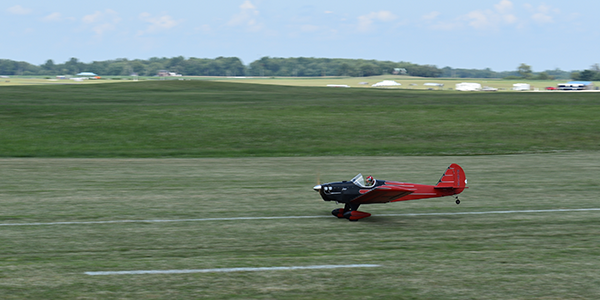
column 457, row 201
column 338, row 212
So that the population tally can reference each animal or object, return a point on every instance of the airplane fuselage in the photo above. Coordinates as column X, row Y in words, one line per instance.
column 346, row 191
column 359, row 191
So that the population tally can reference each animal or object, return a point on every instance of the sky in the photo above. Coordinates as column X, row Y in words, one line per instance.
column 496, row 34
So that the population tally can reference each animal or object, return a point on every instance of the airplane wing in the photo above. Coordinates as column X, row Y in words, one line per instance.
column 381, row 194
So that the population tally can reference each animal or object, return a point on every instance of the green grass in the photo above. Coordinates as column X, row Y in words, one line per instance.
column 214, row 119
column 173, row 150
column 494, row 256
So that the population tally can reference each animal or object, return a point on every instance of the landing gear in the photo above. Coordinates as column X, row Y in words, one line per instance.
column 350, row 212
column 356, row 215
column 338, row 212
column 457, row 201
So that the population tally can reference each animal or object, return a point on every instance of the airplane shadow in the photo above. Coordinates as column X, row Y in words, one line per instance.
column 375, row 220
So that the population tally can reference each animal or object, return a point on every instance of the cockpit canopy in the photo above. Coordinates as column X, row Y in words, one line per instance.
column 359, row 180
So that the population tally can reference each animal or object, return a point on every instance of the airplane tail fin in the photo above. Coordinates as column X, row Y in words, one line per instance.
column 454, row 178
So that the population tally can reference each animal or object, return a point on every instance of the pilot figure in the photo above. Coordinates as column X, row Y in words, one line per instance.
column 370, row 180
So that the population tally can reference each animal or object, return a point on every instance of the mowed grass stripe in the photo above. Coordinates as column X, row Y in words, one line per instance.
column 304, row 217
column 229, row 270
column 218, row 119
column 486, row 256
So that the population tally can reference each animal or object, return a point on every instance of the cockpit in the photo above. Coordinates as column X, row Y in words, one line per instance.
column 359, row 180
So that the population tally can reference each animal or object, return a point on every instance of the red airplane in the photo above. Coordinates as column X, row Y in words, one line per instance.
column 355, row 192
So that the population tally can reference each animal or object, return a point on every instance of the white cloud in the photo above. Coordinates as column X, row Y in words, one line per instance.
column 158, row 23
column 574, row 17
column 542, row 14
column 504, row 7
column 492, row 19
column 542, row 18
column 479, row 19
column 53, row 17
column 501, row 15
column 247, row 17
column 92, row 18
column 19, row 10
column 510, row 19
column 102, row 21
column 365, row 22
column 433, row 21
column 204, row 28
column 309, row 28
column 100, row 29
column 446, row 26
column 431, row 16
column 544, row 9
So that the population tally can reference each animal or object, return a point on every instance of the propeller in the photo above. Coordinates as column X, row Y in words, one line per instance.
column 317, row 187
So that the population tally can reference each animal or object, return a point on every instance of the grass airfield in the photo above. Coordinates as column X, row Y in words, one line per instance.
column 520, row 255
column 407, row 82
column 220, row 119
column 77, row 197
column 25, row 81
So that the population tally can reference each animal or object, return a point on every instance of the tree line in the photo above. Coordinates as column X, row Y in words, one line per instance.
column 220, row 66
column 274, row 66
column 591, row 74
column 223, row 66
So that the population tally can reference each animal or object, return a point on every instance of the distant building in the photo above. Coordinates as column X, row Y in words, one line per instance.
column 399, row 71
column 468, row 86
column 521, row 87
column 576, row 85
column 87, row 74
column 433, row 84
column 386, row 83
column 165, row 73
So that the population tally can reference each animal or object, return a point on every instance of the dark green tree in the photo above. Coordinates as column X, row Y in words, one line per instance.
column 369, row 69
column 587, row 75
column 525, row 70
